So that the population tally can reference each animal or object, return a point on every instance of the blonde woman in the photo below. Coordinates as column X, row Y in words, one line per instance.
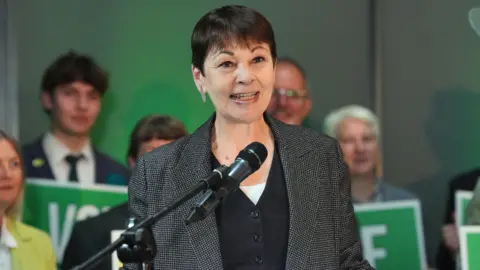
column 21, row 247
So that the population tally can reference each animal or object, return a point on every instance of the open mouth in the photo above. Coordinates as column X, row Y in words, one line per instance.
column 245, row 97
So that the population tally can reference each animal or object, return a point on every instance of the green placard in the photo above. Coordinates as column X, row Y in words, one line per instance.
column 470, row 247
column 55, row 207
column 392, row 234
column 462, row 198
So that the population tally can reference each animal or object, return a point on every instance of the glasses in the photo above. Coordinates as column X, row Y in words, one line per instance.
column 293, row 97
column 290, row 93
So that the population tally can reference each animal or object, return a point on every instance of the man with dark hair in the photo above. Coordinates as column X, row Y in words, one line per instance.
column 91, row 235
column 290, row 102
column 71, row 91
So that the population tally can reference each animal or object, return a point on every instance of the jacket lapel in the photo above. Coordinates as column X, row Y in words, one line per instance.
column 100, row 171
column 39, row 163
column 296, row 159
column 194, row 165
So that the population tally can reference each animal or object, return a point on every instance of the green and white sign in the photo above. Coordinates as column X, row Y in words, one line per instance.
column 55, row 207
column 392, row 234
column 462, row 198
column 470, row 247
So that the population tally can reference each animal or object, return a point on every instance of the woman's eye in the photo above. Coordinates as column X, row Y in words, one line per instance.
column 15, row 163
column 226, row 64
column 258, row 59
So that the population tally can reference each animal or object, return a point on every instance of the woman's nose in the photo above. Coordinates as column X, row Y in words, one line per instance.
column 244, row 74
column 4, row 172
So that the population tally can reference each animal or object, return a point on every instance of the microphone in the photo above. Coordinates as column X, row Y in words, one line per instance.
column 248, row 161
column 214, row 180
column 138, row 239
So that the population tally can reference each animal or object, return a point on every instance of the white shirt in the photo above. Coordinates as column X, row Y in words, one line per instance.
column 6, row 243
column 254, row 192
column 56, row 152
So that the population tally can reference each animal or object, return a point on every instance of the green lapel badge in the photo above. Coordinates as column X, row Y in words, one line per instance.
column 38, row 162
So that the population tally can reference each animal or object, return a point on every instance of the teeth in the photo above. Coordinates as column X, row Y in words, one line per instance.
column 244, row 95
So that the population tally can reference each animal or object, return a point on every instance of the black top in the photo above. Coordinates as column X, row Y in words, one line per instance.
column 255, row 236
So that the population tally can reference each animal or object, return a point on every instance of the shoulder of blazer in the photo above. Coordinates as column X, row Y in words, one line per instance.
column 38, row 241
column 296, row 136
column 24, row 233
column 291, row 136
column 113, row 219
column 109, row 162
column 298, row 139
column 167, row 155
column 33, row 148
column 466, row 180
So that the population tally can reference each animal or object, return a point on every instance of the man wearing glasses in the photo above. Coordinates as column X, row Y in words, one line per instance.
column 290, row 102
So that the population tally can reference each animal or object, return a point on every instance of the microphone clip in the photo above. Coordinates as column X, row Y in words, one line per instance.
column 211, row 198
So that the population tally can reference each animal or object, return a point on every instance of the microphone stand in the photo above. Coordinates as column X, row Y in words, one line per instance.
column 136, row 244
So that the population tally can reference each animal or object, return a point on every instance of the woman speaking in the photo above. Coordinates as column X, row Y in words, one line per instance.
column 294, row 212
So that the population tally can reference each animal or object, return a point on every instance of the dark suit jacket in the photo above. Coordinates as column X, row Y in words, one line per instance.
column 107, row 171
column 323, row 228
column 445, row 259
column 92, row 235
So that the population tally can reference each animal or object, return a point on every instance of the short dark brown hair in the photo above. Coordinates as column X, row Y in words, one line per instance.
column 160, row 127
column 72, row 67
column 226, row 26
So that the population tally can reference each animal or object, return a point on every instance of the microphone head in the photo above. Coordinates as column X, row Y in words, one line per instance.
column 254, row 154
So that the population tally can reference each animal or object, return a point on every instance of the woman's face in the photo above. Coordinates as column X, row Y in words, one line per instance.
column 239, row 81
column 10, row 175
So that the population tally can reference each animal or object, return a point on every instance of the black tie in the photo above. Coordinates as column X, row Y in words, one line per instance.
column 72, row 162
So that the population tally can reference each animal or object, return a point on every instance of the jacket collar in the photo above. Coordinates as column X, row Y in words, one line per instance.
column 17, row 230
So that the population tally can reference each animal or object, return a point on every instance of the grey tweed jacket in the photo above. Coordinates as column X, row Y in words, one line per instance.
column 322, row 232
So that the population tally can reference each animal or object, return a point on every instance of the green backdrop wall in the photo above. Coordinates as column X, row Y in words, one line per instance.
column 146, row 48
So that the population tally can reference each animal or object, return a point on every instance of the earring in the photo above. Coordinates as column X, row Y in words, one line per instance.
column 204, row 97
